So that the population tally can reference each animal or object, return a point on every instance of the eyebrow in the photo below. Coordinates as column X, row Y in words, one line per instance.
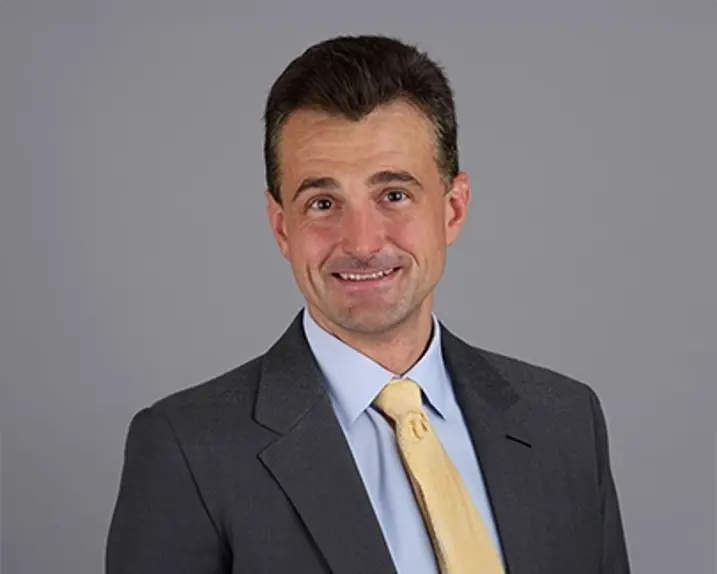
column 378, row 178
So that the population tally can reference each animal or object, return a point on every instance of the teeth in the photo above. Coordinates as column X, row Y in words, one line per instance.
column 365, row 276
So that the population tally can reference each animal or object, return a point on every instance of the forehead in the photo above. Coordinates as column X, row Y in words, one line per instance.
column 314, row 141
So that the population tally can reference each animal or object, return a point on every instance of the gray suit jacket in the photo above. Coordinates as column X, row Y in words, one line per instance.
column 250, row 473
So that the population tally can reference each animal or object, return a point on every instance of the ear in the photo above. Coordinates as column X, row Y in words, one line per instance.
column 277, row 222
column 457, row 200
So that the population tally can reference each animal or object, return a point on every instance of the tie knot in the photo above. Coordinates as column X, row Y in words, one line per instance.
column 398, row 398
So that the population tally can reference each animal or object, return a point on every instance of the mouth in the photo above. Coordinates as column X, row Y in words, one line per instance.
column 364, row 280
column 380, row 274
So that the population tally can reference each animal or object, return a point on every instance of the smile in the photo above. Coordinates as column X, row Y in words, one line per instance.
column 366, row 276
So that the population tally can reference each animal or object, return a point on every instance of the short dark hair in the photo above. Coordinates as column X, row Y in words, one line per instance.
column 352, row 75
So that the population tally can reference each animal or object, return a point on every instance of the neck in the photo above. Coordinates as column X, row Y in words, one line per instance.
column 396, row 349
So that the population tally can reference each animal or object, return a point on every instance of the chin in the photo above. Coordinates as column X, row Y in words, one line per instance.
column 370, row 321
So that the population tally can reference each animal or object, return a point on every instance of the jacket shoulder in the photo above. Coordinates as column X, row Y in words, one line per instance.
column 536, row 381
column 232, row 391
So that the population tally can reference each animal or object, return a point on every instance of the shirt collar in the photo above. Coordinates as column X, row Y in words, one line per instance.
column 354, row 380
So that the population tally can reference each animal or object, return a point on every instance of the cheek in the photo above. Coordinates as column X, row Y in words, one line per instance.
column 312, row 245
column 418, row 237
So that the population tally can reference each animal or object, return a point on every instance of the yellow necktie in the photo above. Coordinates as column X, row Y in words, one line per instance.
column 460, row 538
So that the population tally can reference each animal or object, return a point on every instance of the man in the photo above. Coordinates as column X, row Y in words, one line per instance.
column 368, row 438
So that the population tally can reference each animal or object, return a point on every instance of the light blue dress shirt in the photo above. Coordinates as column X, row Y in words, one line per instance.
column 354, row 380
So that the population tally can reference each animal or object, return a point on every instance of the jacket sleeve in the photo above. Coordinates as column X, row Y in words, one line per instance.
column 614, row 551
column 160, row 524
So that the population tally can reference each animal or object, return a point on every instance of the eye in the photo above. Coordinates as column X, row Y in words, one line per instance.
column 320, row 204
column 395, row 195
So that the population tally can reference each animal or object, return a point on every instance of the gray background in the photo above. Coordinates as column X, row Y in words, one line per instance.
column 135, row 258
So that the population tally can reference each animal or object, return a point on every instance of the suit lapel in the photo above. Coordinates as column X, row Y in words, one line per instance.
column 312, row 461
column 508, row 455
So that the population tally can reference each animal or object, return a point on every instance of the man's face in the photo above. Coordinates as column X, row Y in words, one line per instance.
column 365, row 218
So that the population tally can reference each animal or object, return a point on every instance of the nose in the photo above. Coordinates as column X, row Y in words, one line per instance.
column 363, row 232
